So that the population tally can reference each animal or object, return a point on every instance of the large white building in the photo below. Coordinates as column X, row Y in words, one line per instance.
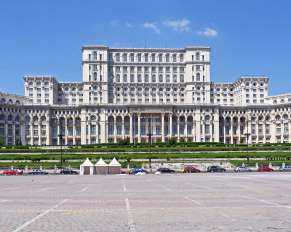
column 142, row 94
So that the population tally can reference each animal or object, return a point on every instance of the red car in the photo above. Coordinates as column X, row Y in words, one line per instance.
column 190, row 169
column 265, row 169
column 12, row 172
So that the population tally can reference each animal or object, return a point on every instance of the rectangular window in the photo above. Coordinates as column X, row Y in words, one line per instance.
column 131, row 57
column 146, row 57
column 153, row 57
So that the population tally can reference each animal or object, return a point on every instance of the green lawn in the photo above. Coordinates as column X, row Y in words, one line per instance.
column 153, row 155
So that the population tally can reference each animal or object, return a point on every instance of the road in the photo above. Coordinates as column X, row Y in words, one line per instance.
column 173, row 202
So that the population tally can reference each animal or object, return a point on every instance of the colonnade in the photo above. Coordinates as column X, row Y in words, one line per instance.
column 92, row 127
column 254, row 129
column 158, row 127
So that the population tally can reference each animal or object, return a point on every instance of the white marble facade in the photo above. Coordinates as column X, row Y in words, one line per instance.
column 142, row 95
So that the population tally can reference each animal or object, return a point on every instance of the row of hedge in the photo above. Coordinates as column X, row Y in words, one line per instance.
column 126, row 156
column 154, row 148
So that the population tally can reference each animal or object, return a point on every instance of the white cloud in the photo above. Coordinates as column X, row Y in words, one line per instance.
column 178, row 25
column 208, row 32
column 152, row 26
column 129, row 25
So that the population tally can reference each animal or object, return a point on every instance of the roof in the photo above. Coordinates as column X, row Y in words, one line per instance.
column 87, row 163
column 144, row 48
column 101, row 163
column 114, row 162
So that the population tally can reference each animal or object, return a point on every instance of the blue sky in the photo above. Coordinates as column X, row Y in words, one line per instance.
column 45, row 37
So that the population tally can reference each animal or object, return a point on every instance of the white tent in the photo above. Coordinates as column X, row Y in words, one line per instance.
column 114, row 167
column 101, row 167
column 87, row 168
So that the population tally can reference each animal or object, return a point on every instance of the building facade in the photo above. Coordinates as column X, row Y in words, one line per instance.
column 142, row 95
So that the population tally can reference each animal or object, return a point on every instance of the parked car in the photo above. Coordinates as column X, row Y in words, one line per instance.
column 165, row 170
column 265, row 168
column 9, row 172
column 68, row 172
column 137, row 170
column 215, row 168
column 242, row 169
column 285, row 169
column 191, row 169
column 37, row 172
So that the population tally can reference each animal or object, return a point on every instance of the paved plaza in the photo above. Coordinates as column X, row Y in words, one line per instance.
column 182, row 202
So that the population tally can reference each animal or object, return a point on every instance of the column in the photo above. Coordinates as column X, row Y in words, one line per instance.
column 216, row 127
column 249, row 130
column 186, row 128
column 171, row 125
column 74, row 131
column 257, row 132
column 66, row 131
column 130, row 128
column 83, row 129
column 138, row 129
column 224, row 131
column 39, row 132
column 273, row 131
column 197, row 126
column 178, row 127
column 114, row 129
column 22, row 132
column 163, row 126
column 264, row 132
column 13, row 134
column 231, row 130
column 193, row 129
column 122, row 126
column 238, row 129
column 103, row 127
column 89, row 132
column 58, row 131
column 97, row 130
column 6, row 133
column 48, row 132
column 289, row 130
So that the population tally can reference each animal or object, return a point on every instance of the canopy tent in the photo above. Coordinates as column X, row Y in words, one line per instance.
column 114, row 167
column 101, row 168
column 87, row 168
